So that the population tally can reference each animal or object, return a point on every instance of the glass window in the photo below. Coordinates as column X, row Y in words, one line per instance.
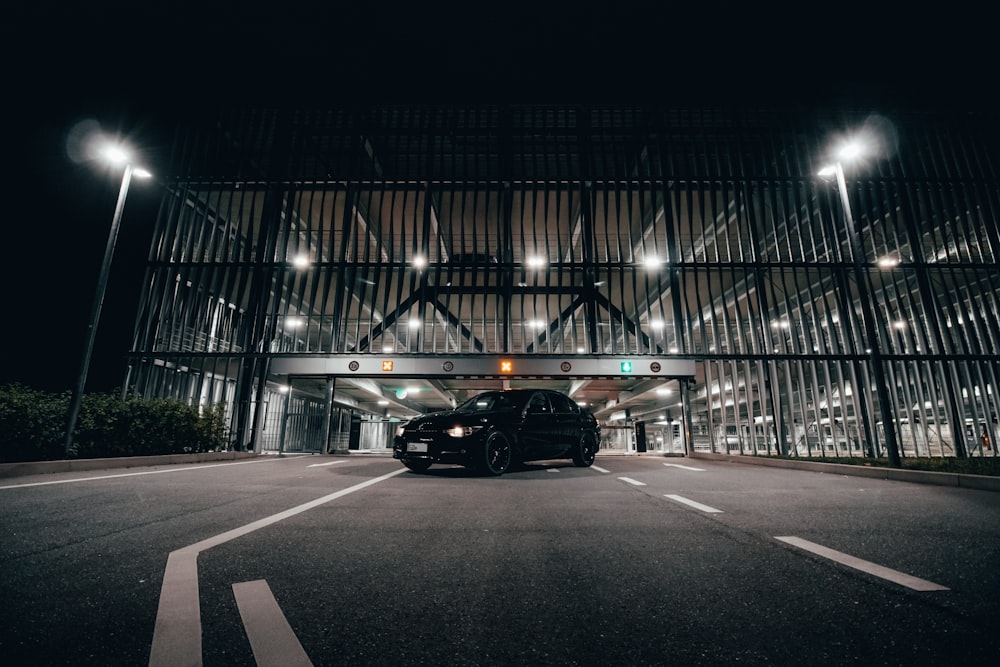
column 560, row 403
column 539, row 403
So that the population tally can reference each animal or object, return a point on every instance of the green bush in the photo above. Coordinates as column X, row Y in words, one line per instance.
column 32, row 426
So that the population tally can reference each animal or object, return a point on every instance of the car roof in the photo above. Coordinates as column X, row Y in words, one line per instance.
column 522, row 390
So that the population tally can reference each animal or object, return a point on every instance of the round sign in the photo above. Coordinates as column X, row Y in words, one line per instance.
column 354, row 365
column 566, row 366
column 655, row 367
column 447, row 367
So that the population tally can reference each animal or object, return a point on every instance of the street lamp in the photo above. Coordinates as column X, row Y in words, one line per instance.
column 848, row 152
column 116, row 155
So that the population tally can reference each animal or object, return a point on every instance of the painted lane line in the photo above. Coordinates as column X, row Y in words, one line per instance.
column 678, row 465
column 271, row 637
column 633, row 482
column 320, row 465
column 692, row 503
column 177, row 633
column 600, row 469
column 145, row 472
column 552, row 469
column 894, row 576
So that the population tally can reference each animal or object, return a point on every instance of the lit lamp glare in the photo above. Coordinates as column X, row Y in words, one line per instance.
column 852, row 150
column 115, row 154
column 536, row 262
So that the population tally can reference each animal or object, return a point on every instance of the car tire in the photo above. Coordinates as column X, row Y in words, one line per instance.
column 418, row 465
column 497, row 455
column 585, row 451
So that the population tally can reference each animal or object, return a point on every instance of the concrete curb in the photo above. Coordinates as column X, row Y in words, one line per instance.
column 76, row 465
column 981, row 482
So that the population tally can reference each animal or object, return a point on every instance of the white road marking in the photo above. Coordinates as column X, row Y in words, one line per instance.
column 864, row 565
column 177, row 633
column 631, row 481
column 271, row 637
column 267, row 459
column 552, row 469
column 692, row 503
column 600, row 469
column 678, row 465
column 320, row 465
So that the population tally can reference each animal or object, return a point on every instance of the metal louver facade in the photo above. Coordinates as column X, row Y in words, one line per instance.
column 552, row 232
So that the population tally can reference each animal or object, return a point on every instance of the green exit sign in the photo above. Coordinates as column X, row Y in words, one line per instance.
column 626, row 367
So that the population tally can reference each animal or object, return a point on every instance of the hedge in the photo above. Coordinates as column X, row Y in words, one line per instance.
column 33, row 426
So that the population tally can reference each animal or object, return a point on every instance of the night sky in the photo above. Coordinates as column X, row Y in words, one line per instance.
column 134, row 68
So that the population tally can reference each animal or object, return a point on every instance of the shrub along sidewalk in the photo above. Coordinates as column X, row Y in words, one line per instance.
column 33, row 426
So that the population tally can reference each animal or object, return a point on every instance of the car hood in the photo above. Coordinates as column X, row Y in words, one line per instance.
column 450, row 418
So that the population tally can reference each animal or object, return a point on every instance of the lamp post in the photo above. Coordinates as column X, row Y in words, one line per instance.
column 849, row 152
column 116, row 155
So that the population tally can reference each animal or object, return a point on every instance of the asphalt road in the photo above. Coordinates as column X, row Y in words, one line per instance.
column 355, row 561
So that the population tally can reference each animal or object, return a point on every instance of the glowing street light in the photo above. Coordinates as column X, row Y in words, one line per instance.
column 849, row 152
column 118, row 156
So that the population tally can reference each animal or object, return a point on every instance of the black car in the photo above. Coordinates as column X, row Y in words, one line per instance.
column 493, row 430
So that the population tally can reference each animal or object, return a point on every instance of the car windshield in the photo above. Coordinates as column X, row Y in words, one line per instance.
column 492, row 402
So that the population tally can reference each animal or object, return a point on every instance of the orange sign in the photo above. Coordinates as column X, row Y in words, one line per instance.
column 506, row 366
column 387, row 365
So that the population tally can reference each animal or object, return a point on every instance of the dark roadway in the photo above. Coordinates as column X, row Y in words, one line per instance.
column 547, row 565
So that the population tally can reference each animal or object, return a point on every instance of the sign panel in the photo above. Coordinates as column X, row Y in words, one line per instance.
column 484, row 366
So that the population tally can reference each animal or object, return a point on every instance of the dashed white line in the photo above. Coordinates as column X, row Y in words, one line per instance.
column 694, row 504
column 895, row 576
column 552, row 470
column 633, row 482
column 320, row 465
column 600, row 469
column 271, row 637
column 678, row 465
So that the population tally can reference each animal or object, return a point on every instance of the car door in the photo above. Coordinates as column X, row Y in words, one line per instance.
column 566, row 421
column 537, row 428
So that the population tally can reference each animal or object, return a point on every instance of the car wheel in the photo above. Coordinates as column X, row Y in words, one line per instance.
column 585, row 451
column 497, row 454
column 418, row 465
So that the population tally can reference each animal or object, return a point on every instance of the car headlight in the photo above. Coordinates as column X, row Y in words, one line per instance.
column 462, row 431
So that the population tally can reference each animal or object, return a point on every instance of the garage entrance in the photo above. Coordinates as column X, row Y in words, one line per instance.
column 360, row 410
